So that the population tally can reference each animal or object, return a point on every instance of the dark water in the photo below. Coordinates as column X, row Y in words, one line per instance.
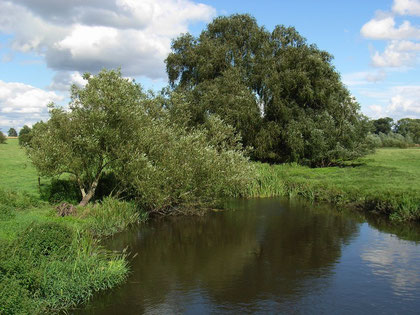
column 268, row 256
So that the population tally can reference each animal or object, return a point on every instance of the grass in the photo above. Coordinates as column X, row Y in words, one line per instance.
column 51, row 263
column 16, row 171
column 387, row 182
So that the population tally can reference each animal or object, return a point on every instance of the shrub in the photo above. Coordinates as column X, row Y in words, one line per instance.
column 62, row 190
column 46, row 240
column 395, row 140
column 178, row 170
column 2, row 138
column 18, row 200
column 14, row 299
column 25, row 136
column 374, row 140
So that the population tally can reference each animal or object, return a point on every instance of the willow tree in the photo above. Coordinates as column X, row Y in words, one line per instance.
column 282, row 94
column 88, row 139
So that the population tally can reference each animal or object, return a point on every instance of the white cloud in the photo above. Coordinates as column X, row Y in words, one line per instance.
column 93, row 34
column 406, row 7
column 406, row 101
column 401, row 102
column 383, row 27
column 23, row 104
column 402, row 48
column 397, row 54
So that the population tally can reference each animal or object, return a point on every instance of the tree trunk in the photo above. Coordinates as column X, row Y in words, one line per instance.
column 86, row 197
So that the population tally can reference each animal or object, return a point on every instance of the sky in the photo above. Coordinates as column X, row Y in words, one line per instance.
column 46, row 45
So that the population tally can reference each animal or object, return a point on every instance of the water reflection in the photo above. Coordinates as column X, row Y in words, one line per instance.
column 392, row 259
column 268, row 256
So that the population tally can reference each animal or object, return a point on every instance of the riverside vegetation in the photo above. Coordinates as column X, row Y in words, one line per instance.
column 123, row 154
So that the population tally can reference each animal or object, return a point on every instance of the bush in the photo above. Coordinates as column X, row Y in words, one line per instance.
column 25, row 136
column 395, row 140
column 175, row 169
column 62, row 190
column 52, row 240
column 14, row 299
column 2, row 138
column 374, row 140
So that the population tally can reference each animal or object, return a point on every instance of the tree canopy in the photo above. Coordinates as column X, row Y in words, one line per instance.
column 25, row 135
column 282, row 94
column 12, row 132
column 113, row 126
column 409, row 127
column 383, row 125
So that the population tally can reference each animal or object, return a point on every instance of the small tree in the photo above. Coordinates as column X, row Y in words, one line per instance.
column 2, row 138
column 12, row 132
column 89, row 138
column 25, row 135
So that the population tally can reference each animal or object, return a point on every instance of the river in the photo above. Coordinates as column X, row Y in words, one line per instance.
column 267, row 256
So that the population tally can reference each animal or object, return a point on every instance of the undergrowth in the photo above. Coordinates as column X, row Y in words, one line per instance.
column 50, row 263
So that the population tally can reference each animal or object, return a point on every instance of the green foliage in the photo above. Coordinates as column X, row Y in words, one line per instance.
column 25, row 136
column 14, row 298
column 2, row 138
column 382, row 125
column 281, row 94
column 87, row 140
column 12, row 132
column 18, row 201
column 61, row 190
column 409, row 127
column 113, row 128
column 46, row 240
column 386, row 182
column 111, row 216
column 390, row 140
column 171, row 168
column 51, row 267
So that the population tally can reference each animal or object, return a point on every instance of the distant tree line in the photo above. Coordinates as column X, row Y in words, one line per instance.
column 387, row 133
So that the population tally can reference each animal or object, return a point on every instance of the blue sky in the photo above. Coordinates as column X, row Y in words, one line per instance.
column 45, row 45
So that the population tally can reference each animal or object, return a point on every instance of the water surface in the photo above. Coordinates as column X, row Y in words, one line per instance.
column 268, row 256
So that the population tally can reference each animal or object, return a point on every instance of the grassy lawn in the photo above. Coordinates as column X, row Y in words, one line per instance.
column 16, row 171
column 387, row 181
column 388, row 170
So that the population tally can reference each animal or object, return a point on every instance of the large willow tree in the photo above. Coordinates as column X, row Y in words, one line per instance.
column 282, row 94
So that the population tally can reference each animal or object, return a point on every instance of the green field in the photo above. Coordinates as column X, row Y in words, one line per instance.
column 16, row 171
column 387, row 181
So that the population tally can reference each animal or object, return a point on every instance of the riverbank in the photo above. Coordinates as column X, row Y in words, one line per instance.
column 48, row 262
column 386, row 182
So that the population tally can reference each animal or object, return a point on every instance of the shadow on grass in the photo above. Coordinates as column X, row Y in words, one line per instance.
column 67, row 190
